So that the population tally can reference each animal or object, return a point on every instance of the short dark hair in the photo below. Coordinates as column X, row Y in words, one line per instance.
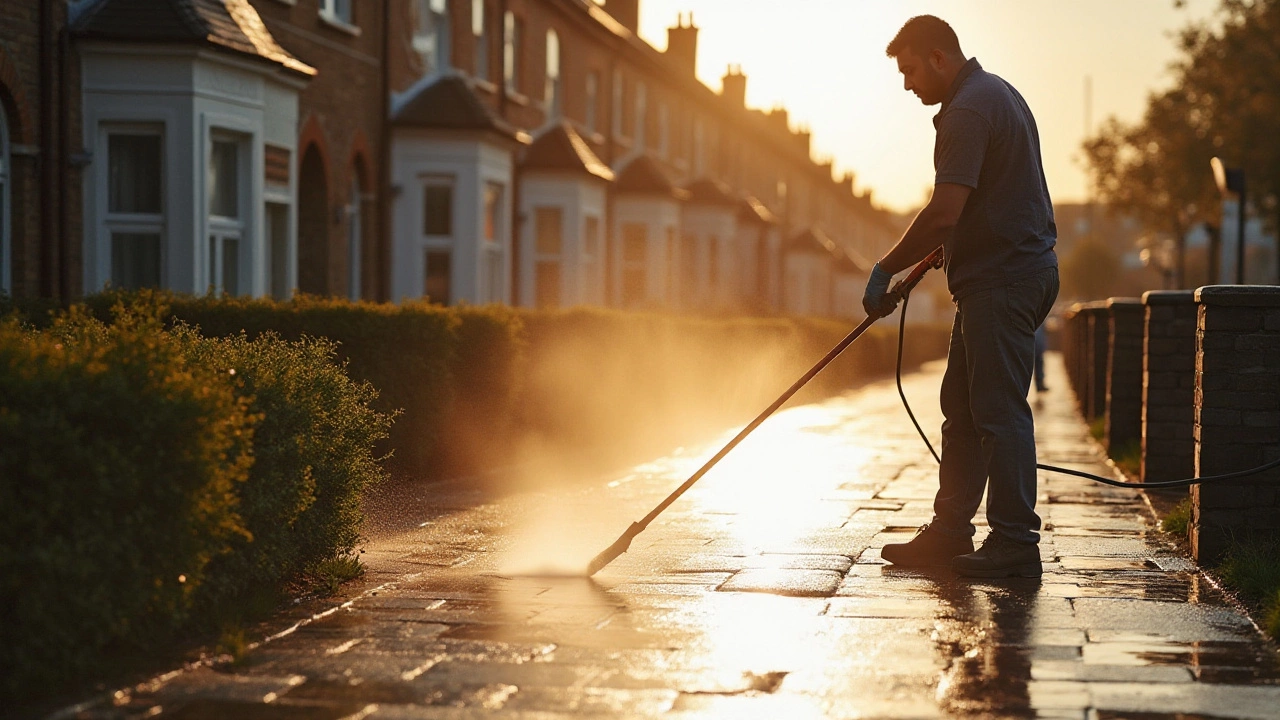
column 923, row 34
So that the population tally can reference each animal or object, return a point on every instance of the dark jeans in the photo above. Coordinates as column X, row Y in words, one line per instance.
column 988, row 433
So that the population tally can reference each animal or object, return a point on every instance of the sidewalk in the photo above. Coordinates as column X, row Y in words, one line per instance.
column 760, row 593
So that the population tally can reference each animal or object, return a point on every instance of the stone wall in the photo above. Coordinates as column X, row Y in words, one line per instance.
column 1237, row 421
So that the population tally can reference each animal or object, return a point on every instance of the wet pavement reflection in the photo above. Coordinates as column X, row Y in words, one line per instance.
column 761, row 593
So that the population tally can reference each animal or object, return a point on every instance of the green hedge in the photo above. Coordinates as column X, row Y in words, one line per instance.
column 438, row 366
column 119, row 475
column 158, row 481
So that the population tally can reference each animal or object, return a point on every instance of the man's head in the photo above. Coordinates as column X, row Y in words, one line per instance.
column 929, row 57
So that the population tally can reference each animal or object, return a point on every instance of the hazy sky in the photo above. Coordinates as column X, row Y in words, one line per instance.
column 824, row 60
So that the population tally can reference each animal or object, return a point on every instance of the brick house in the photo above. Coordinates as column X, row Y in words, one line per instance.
column 535, row 152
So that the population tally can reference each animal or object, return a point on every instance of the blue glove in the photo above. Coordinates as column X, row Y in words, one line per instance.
column 875, row 300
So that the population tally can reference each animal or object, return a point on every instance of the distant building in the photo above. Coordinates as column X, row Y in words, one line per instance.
column 532, row 152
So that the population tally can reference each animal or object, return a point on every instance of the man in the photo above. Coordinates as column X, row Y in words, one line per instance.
column 991, row 212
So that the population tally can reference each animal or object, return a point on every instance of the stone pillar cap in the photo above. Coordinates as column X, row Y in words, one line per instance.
column 1239, row 295
column 1169, row 297
column 1124, row 302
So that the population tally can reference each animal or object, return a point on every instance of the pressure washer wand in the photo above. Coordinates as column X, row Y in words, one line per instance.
column 899, row 291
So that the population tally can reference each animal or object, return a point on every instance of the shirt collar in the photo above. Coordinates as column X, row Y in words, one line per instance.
column 970, row 67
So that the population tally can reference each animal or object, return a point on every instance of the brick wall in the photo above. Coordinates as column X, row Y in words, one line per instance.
column 1237, row 426
column 1097, row 343
column 342, row 111
column 1124, row 373
column 45, row 221
column 1168, row 386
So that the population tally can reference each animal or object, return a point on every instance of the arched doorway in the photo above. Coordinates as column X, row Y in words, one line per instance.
column 313, row 223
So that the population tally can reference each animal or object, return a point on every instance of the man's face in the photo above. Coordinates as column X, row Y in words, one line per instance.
column 921, row 77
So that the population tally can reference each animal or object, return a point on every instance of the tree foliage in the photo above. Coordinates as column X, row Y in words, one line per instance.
column 1225, row 102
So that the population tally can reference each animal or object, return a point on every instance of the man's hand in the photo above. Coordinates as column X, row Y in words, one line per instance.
column 876, row 300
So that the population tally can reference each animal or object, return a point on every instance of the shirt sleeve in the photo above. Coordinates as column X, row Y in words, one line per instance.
column 963, row 136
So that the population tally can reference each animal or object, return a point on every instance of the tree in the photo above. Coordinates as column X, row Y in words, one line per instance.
column 1225, row 102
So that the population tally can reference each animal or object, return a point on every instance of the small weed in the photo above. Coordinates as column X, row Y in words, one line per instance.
column 1178, row 521
column 1252, row 567
column 1128, row 457
column 231, row 642
column 1098, row 428
column 329, row 575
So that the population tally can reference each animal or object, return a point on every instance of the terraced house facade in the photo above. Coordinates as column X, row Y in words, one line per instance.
column 532, row 152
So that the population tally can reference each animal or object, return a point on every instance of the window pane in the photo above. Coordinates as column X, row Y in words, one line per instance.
column 634, row 236
column 492, row 211
column 224, row 185
column 278, row 238
column 342, row 9
column 713, row 262
column 437, row 210
column 593, row 89
column 231, row 266
column 633, row 285
column 591, row 237
column 133, row 173
column 436, row 286
column 496, row 286
column 547, row 225
column 547, row 284
column 135, row 260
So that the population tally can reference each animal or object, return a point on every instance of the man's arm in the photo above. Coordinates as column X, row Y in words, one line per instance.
column 930, row 229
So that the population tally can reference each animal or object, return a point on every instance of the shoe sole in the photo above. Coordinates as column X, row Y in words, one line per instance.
column 1027, row 570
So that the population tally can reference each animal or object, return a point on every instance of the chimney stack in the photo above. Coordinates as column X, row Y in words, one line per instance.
column 802, row 138
column 734, row 87
column 626, row 12
column 682, row 43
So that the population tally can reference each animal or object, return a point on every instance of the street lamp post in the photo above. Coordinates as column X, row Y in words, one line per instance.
column 1231, row 180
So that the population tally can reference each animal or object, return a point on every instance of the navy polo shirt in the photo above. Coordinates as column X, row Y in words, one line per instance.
column 987, row 140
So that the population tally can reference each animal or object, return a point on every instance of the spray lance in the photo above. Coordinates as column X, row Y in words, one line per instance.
column 900, row 291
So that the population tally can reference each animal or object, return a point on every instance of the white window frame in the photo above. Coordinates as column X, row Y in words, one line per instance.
column 339, row 12
column 664, row 135
column 122, row 222
column 480, row 35
column 435, row 40
column 641, row 107
column 540, row 257
column 593, row 278
column 511, row 51
column 223, row 228
column 6, row 182
column 551, row 92
column 616, row 114
column 592, row 92
column 491, row 248
column 437, row 242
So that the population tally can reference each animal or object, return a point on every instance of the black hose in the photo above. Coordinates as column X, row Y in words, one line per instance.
column 902, row 326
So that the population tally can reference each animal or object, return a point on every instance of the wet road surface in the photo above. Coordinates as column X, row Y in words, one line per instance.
column 759, row 594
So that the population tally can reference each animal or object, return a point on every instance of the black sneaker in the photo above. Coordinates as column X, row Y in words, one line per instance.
column 928, row 547
column 1000, row 557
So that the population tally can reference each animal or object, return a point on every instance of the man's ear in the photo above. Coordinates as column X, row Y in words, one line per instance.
column 937, row 60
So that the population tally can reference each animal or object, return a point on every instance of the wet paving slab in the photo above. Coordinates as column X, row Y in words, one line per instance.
column 760, row 594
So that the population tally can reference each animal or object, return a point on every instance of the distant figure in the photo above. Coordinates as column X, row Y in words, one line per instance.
column 1042, row 344
column 991, row 212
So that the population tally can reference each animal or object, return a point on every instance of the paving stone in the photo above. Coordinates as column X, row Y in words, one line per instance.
column 761, row 593
column 784, row 581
